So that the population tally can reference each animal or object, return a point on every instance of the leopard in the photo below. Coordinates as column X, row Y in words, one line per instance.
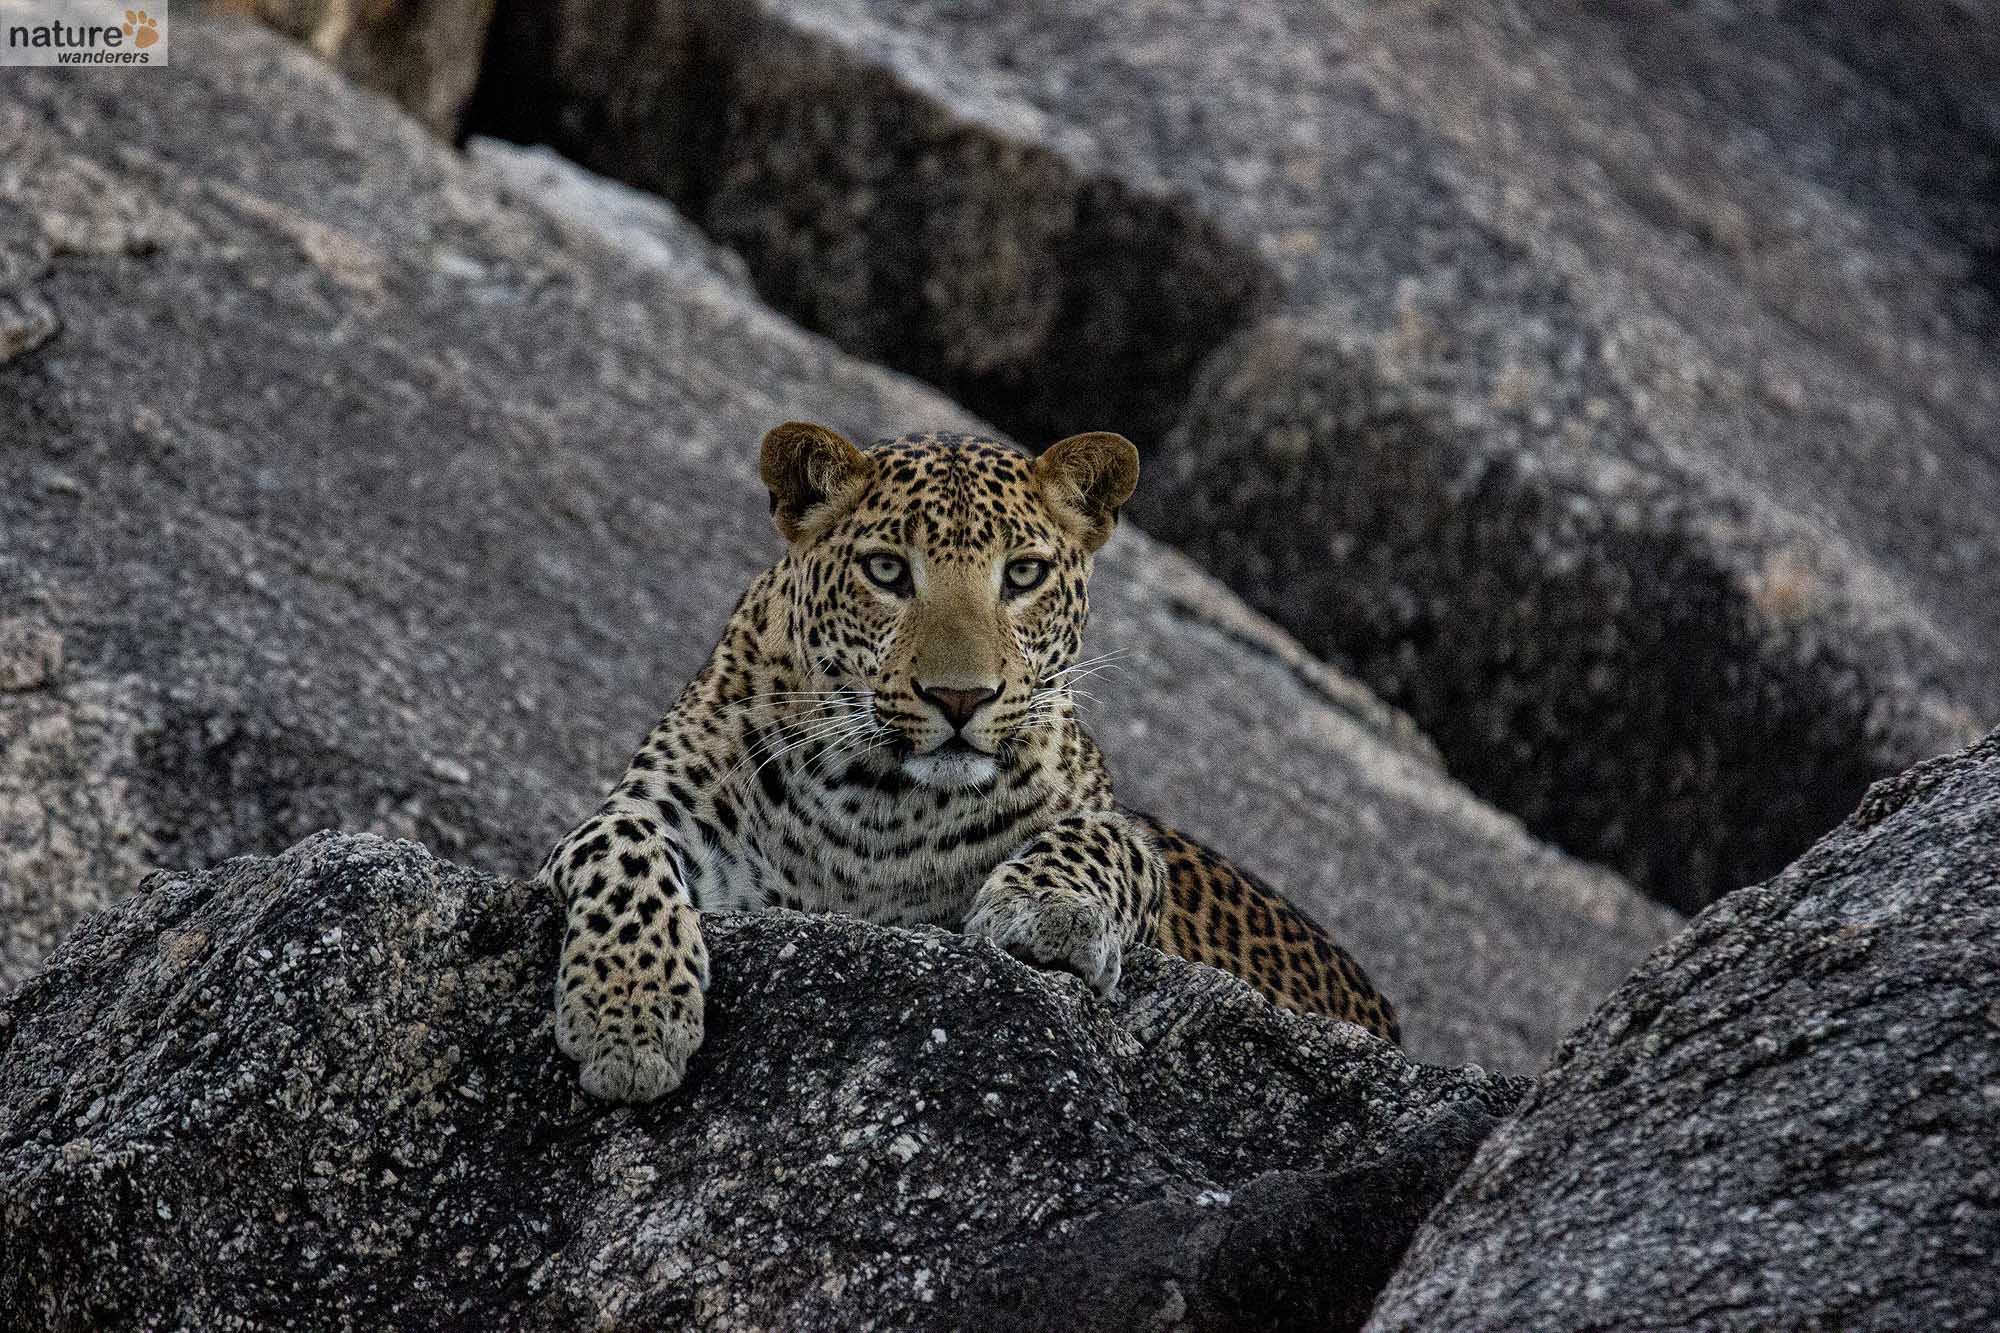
column 890, row 727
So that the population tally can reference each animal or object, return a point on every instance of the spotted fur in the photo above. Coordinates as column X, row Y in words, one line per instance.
column 888, row 728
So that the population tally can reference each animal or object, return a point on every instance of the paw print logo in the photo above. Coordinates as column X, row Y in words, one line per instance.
column 141, row 28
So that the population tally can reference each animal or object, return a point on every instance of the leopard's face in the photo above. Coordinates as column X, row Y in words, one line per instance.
column 948, row 588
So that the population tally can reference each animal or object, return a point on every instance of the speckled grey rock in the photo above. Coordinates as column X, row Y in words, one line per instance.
column 321, row 1091
column 1786, row 1119
column 1676, row 331
column 368, row 488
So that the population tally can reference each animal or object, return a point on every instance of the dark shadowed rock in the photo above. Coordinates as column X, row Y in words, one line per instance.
column 1787, row 1118
column 367, row 487
column 1671, row 363
column 1631, row 669
column 322, row 1091
column 1034, row 290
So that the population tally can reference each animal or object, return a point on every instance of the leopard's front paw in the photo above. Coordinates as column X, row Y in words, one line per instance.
column 630, row 1052
column 646, row 1060
column 630, row 1011
column 1050, row 929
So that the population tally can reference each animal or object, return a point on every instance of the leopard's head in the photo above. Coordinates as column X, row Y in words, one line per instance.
column 941, row 580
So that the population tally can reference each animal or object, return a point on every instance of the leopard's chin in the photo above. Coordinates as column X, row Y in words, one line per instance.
column 953, row 766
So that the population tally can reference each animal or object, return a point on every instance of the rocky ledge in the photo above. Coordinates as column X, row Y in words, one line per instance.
column 321, row 1090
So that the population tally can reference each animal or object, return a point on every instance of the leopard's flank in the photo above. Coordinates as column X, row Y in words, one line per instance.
column 887, row 728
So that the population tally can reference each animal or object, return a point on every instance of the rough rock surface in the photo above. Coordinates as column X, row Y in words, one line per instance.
column 1785, row 1119
column 362, row 490
column 322, row 1091
column 1672, row 360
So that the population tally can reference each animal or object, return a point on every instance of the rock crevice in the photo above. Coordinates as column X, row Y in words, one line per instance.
column 1031, row 288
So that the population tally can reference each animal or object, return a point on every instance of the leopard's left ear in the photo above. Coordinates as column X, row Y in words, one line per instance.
column 1085, row 478
column 815, row 475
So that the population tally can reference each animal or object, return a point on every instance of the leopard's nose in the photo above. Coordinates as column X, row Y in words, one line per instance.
column 958, row 706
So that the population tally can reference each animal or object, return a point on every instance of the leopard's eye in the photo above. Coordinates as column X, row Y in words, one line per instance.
column 1025, row 575
column 888, row 572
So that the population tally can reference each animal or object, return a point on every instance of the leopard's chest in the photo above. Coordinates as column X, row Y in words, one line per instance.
column 871, row 843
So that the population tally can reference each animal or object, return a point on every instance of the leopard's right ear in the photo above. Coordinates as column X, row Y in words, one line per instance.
column 815, row 475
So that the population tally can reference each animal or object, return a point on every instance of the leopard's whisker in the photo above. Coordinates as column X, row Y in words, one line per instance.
column 1102, row 662
column 867, row 740
column 824, row 698
column 796, row 744
column 854, row 728
column 1071, row 678
column 814, row 728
